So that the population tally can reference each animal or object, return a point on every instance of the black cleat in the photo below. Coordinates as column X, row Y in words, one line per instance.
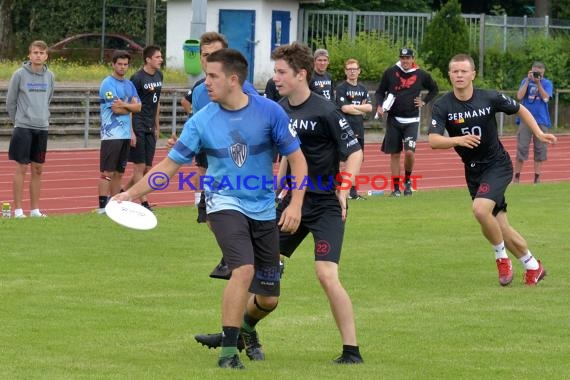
column 221, row 271
column 253, row 349
column 231, row 362
column 215, row 341
column 395, row 193
column 348, row 359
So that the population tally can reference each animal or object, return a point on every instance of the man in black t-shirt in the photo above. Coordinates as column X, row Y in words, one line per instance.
column 146, row 124
column 326, row 138
column 354, row 102
column 321, row 81
column 399, row 95
column 468, row 116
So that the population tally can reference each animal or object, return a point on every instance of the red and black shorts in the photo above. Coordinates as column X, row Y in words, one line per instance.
column 322, row 217
column 490, row 180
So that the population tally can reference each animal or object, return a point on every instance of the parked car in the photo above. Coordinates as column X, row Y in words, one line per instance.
column 86, row 47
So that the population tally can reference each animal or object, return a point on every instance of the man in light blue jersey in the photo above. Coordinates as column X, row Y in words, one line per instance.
column 241, row 213
column 118, row 100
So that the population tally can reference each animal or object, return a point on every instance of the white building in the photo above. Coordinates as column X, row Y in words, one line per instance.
column 254, row 27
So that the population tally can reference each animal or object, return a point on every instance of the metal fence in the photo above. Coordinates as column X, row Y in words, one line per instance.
column 485, row 32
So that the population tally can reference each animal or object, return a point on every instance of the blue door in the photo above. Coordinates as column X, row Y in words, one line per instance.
column 280, row 26
column 239, row 28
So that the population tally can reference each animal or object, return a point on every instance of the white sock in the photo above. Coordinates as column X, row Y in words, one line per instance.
column 35, row 211
column 500, row 251
column 18, row 212
column 529, row 261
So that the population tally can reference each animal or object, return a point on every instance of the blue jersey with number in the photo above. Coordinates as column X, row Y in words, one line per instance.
column 239, row 145
column 115, row 126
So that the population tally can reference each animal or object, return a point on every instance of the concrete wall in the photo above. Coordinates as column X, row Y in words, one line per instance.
column 179, row 17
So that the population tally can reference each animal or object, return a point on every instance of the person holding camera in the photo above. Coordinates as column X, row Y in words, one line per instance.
column 534, row 93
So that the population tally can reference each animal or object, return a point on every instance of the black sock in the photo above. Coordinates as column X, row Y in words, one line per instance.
column 396, row 183
column 250, row 321
column 353, row 193
column 536, row 176
column 145, row 204
column 230, row 336
column 517, row 175
column 408, row 174
column 353, row 350
column 103, row 201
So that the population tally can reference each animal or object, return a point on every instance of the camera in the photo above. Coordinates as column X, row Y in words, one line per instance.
column 536, row 74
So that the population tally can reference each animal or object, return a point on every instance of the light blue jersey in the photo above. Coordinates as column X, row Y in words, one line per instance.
column 240, row 146
column 115, row 126
column 532, row 101
column 200, row 96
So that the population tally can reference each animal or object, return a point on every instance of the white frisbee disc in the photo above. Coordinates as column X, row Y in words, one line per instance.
column 131, row 215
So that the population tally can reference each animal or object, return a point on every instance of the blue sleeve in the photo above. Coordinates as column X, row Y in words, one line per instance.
column 547, row 85
column 187, row 145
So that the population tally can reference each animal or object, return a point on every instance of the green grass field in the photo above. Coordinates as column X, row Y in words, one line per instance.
column 83, row 298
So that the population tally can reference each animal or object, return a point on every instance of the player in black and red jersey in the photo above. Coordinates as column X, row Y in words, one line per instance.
column 399, row 95
column 468, row 116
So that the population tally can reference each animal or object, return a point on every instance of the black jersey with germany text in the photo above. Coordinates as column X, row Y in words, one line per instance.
column 326, row 139
column 475, row 116
column 148, row 88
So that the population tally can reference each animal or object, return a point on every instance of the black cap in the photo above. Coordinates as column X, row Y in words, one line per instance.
column 405, row 52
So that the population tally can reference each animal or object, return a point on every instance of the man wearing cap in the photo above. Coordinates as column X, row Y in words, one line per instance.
column 321, row 81
column 399, row 95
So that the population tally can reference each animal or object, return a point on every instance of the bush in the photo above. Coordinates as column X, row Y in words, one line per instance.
column 374, row 52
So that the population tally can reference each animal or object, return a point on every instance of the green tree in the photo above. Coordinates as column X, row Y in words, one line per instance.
column 446, row 35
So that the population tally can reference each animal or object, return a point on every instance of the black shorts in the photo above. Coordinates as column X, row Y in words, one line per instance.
column 113, row 155
column 201, row 160
column 490, row 180
column 28, row 145
column 246, row 241
column 321, row 216
column 399, row 135
column 143, row 152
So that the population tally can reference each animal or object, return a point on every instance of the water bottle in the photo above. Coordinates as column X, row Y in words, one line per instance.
column 6, row 210
column 375, row 192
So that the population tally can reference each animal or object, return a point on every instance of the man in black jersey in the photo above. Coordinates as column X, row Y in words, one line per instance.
column 468, row 116
column 399, row 95
column 321, row 80
column 146, row 124
column 354, row 102
column 326, row 138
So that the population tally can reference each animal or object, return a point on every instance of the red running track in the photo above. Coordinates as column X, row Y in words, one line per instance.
column 69, row 182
